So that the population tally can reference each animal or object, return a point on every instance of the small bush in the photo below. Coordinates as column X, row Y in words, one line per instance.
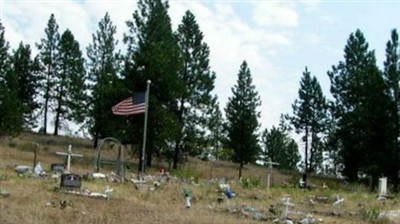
column 372, row 215
column 187, row 174
column 250, row 182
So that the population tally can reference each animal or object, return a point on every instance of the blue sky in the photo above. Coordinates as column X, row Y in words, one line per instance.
column 277, row 38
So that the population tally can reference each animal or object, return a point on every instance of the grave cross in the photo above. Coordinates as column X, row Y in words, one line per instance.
column 69, row 154
column 270, row 164
column 287, row 204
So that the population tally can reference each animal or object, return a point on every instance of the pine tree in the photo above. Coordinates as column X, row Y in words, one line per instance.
column 153, row 54
column 242, row 119
column 26, row 71
column 361, row 108
column 216, row 127
column 279, row 147
column 103, row 66
column 69, row 82
column 11, row 115
column 48, row 48
column 195, row 99
column 309, row 116
column 392, row 79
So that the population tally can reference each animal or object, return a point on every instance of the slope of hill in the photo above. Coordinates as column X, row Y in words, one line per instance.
column 33, row 200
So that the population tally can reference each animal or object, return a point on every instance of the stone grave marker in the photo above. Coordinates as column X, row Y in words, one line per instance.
column 22, row 169
column 70, row 181
column 383, row 187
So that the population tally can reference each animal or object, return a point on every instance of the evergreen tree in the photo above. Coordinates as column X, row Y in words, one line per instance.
column 195, row 100
column 361, row 108
column 105, row 86
column 153, row 54
column 69, row 82
column 242, row 119
column 279, row 147
column 392, row 79
column 11, row 116
column 48, row 48
column 309, row 117
column 215, row 125
column 26, row 71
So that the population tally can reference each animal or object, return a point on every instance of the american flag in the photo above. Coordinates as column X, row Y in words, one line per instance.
column 131, row 105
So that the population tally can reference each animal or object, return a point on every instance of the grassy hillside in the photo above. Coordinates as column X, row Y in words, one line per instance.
column 35, row 200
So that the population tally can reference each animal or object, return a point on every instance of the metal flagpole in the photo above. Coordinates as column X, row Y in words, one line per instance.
column 145, row 126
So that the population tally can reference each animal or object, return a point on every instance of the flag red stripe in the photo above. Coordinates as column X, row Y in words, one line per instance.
column 127, row 107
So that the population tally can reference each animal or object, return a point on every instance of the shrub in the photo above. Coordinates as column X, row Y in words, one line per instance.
column 250, row 182
column 372, row 215
column 187, row 174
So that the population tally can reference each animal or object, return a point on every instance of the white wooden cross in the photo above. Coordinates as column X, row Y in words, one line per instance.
column 69, row 154
column 287, row 204
column 270, row 164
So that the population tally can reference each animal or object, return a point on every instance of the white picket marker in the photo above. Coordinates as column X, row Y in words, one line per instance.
column 69, row 154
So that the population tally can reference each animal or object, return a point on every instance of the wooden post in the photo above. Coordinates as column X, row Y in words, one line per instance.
column 34, row 157
column 270, row 164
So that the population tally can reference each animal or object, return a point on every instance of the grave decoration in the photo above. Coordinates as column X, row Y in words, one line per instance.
column 230, row 195
column 337, row 205
column 69, row 154
column 38, row 170
column 57, row 167
column 187, row 194
column 287, row 204
column 72, row 183
column 119, row 162
column 253, row 213
column 87, row 193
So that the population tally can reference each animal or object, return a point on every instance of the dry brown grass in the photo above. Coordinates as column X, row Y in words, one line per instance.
column 30, row 197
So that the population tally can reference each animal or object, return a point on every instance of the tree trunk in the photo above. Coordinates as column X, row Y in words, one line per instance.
column 240, row 169
column 140, row 162
column 56, row 123
column 176, row 157
column 46, row 103
column 306, row 159
column 96, row 140
column 149, row 157
column 149, row 152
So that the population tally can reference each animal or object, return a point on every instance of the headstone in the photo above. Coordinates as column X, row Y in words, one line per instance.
column 69, row 154
column 4, row 193
column 70, row 181
column 383, row 187
column 57, row 167
column 21, row 169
